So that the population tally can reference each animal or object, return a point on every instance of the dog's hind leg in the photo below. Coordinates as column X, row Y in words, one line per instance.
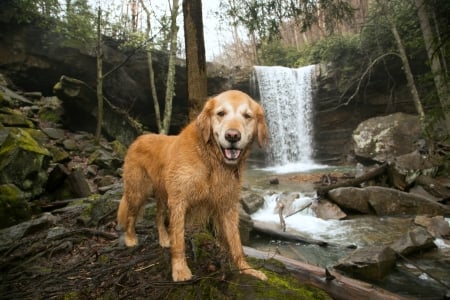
column 136, row 189
column 161, row 212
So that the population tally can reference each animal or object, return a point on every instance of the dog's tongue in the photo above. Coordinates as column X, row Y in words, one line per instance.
column 232, row 153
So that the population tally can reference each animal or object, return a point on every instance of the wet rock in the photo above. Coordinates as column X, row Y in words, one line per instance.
column 251, row 202
column 387, row 201
column 285, row 202
column 416, row 240
column 370, row 263
column 326, row 210
column 383, row 138
column 274, row 181
column 351, row 198
column 437, row 226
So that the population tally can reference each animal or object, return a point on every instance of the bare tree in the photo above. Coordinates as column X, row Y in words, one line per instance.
column 99, row 51
column 163, row 122
column 436, row 67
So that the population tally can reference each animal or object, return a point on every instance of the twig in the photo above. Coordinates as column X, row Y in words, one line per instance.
column 299, row 210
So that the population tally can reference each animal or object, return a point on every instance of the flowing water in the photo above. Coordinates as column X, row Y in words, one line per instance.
column 286, row 95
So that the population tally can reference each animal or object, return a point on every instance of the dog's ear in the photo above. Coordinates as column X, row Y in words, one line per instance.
column 261, row 127
column 203, row 120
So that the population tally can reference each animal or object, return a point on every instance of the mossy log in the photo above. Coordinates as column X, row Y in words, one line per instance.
column 335, row 284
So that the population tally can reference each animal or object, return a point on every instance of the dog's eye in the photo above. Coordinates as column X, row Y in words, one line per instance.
column 247, row 115
column 221, row 113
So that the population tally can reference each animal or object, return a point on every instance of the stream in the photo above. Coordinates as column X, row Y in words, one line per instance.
column 341, row 235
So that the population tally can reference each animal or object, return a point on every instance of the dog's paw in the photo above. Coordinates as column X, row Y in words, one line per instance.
column 255, row 273
column 164, row 242
column 131, row 241
column 181, row 273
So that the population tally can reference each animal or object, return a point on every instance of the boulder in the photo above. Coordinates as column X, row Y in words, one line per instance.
column 351, row 198
column 385, row 201
column 370, row 263
column 383, row 138
column 404, row 169
column 14, row 206
column 437, row 226
column 251, row 202
column 24, row 161
column 416, row 240
column 327, row 211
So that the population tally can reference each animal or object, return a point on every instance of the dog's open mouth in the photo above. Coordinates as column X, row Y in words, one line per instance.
column 231, row 153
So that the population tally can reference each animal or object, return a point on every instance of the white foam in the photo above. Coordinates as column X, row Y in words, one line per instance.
column 304, row 222
column 294, row 167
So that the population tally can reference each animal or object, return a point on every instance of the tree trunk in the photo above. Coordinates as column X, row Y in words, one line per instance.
column 98, row 131
column 436, row 67
column 408, row 72
column 197, row 90
column 151, row 73
column 170, row 83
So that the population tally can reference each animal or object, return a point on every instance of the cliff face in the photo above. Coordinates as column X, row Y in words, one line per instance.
column 36, row 59
column 337, row 114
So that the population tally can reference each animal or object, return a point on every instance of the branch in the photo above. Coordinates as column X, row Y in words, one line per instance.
column 374, row 62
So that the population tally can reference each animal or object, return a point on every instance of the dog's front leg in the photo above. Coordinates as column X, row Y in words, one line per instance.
column 180, row 269
column 229, row 221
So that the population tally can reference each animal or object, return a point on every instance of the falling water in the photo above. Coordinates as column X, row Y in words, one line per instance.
column 286, row 95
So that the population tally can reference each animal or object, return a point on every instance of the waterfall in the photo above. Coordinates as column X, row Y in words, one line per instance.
column 286, row 95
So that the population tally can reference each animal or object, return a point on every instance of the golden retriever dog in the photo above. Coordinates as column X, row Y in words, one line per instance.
column 197, row 171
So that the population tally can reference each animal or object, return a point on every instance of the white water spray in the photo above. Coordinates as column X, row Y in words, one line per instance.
column 286, row 95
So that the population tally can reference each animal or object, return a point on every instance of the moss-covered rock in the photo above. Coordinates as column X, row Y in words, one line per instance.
column 14, row 207
column 23, row 161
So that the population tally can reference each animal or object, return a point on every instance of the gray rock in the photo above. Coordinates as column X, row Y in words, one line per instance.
column 416, row 240
column 437, row 226
column 328, row 211
column 371, row 263
column 251, row 202
column 351, row 198
column 383, row 138
column 387, row 201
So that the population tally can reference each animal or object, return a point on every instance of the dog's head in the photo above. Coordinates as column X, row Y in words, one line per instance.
column 233, row 119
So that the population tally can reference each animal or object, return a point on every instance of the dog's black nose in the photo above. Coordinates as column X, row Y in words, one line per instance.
column 232, row 135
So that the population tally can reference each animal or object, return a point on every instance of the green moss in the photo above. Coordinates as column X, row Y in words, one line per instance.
column 14, row 207
column 71, row 296
column 20, row 138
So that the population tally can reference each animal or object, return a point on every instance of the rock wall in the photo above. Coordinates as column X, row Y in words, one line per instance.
column 35, row 59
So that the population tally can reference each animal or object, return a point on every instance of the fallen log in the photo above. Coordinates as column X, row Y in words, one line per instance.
column 323, row 191
column 335, row 284
column 265, row 229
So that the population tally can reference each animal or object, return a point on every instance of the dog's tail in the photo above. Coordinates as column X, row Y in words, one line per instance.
column 122, row 212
